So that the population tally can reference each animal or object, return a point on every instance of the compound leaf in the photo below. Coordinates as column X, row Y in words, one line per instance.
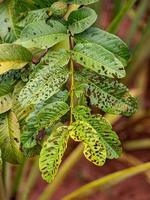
column 10, row 138
column 13, row 56
column 94, row 149
column 52, row 153
column 98, row 59
column 81, row 19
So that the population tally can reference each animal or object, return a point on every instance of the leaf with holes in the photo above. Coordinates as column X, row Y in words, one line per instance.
column 13, row 56
column 106, row 40
column 10, row 138
column 98, row 59
column 81, row 19
column 94, row 149
column 42, row 35
column 111, row 96
column 47, row 81
column 52, row 153
column 51, row 113
column 21, row 111
column 103, row 129
column 43, row 117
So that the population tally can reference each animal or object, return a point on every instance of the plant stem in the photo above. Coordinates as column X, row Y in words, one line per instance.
column 113, row 27
column 17, row 180
column 107, row 181
column 31, row 180
column 137, row 144
column 2, row 189
column 71, row 84
column 134, row 161
column 71, row 8
column 63, row 171
column 71, row 91
column 137, row 19
column 8, row 179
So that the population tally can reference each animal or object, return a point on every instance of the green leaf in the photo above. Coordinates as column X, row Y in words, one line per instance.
column 13, row 56
column 10, row 138
column 103, row 128
column 10, row 78
column 52, row 153
column 42, row 35
column 94, row 149
column 43, row 4
column 43, row 117
column 34, row 16
column 98, row 59
column 111, row 96
column 60, row 96
column 9, row 30
column 81, row 19
column 47, row 81
column 51, row 113
column 21, row 111
column 5, row 103
column 82, row 2
column 110, row 42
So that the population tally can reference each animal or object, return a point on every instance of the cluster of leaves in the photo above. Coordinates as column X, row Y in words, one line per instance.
column 39, row 85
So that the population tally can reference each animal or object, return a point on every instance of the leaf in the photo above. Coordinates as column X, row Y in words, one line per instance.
column 13, row 56
column 60, row 96
column 103, row 128
column 52, row 153
column 112, row 97
column 109, row 137
column 34, row 16
column 5, row 103
column 110, row 42
column 98, row 59
column 10, row 78
column 51, row 113
column 42, row 35
column 43, row 4
column 81, row 19
column 47, row 81
column 5, row 97
column 9, row 31
column 94, row 149
column 43, row 117
column 21, row 111
column 10, row 138
column 82, row 2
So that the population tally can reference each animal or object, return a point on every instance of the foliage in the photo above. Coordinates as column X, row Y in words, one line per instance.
column 45, row 98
